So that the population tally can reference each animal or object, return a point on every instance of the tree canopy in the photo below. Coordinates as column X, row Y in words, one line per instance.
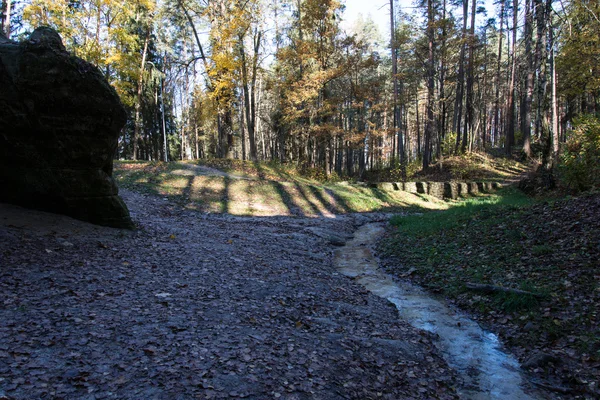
column 288, row 81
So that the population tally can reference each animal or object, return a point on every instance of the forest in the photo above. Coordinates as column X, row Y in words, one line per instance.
column 300, row 205
column 286, row 81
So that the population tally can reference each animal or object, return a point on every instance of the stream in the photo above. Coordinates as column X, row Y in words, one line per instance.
column 486, row 371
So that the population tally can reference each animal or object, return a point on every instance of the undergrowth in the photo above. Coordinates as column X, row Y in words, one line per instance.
column 579, row 167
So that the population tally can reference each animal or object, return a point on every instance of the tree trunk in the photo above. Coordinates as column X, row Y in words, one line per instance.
column 456, row 122
column 138, row 97
column 418, row 126
column 554, row 100
column 429, row 126
column 5, row 18
column 510, row 134
column 540, row 46
column 197, row 142
column 396, row 120
column 498, row 76
column 249, row 89
column 442, row 80
column 242, row 131
column 528, row 95
column 470, row 81
column 483, row 98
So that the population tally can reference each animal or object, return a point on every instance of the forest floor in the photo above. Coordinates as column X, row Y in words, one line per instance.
column 201, row 303
column 550, row 250
column 198, row 305
column 547, row 247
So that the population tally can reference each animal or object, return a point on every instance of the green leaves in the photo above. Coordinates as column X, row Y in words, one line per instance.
column 101, row 32
column 580, row 160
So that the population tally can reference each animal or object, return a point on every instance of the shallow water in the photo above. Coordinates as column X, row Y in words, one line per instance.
column 486, row 371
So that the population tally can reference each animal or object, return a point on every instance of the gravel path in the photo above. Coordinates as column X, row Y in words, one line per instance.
column 198, row 306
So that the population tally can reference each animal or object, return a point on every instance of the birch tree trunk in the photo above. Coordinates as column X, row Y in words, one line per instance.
column 554, row 100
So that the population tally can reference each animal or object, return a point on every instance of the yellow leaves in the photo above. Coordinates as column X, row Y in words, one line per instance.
column 114, row 58
column 224, row 61
column 325, row 129
column 99, row 31
column 229, row 22
column 222, row 74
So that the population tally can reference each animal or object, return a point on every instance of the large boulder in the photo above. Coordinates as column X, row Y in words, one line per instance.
column 59, row 125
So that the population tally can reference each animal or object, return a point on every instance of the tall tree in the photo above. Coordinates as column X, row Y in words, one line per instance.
column 540, row 64
column 578, row 62
column 469, row 117
column 430, row 122
column 138, row 97
column 396, row 110
column 445, row 23
column 528, row 92
column 249, row 70
column 460, row 79
column 5, row 15
column 498, row 81
column 510, row 121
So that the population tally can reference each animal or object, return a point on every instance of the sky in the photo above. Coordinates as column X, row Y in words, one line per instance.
column 380, row 11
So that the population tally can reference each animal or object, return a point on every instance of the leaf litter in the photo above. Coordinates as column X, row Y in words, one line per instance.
column 550, row 248
column 192, row 305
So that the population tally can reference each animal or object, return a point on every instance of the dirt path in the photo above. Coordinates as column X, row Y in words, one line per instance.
column 188, row 169
column 198, row 306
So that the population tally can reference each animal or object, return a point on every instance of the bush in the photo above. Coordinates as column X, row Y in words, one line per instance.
column 319, row 174
column 449, row 144
column 579, row 167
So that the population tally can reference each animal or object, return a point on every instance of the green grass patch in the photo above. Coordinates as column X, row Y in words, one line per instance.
column 507, row 240
column 460, row 214
column 469, row 242
column 540, row 250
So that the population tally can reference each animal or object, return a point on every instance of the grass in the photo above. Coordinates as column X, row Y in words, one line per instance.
column 460, row 214
column 447, row 247
column 546, row 247
column 260, row 189
column 513, row 302
column 466, row 243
